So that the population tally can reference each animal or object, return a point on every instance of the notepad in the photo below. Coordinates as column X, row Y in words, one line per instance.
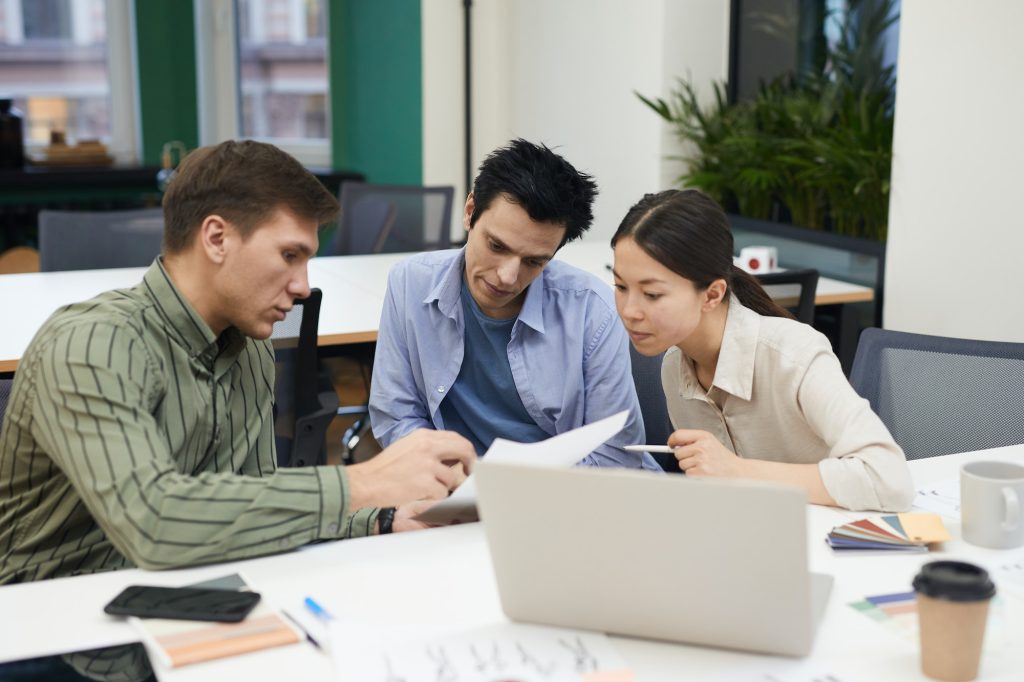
column 907, row 532
column 182, row 642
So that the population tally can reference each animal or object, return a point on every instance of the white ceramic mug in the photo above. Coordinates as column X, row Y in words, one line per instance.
column 758, row 259
column 991, row 494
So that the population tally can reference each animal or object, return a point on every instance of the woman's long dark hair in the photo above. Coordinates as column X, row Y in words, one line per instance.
column 688, row 233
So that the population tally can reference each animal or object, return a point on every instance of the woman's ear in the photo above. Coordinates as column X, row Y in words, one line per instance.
column 715, row 294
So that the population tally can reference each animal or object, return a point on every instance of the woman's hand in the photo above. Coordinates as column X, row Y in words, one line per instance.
column 700, row 454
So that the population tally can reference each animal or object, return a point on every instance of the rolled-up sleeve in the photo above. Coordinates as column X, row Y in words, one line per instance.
column 865, row 468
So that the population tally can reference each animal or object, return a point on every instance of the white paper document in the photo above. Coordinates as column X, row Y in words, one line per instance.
column 525, row 653
column 943, row 498
column 561, row 451
column 1008, row 570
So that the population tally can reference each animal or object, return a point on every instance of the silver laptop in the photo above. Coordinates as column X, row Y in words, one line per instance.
column 701, row 561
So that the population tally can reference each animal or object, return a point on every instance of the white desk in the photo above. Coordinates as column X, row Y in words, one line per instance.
column 353, row 289
column 443, row 578
column 350, row 314
column 596, row 258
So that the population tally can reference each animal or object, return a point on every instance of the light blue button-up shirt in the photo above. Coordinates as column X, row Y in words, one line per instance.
column 568, row 353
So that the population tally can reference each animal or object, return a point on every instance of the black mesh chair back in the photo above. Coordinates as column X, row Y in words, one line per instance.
column 940, row 395
column 392, row 219
column 90, row 240
column 301, row 413
column 5, row 395
column 386, row 219
column 807, row 280
column 653, row 409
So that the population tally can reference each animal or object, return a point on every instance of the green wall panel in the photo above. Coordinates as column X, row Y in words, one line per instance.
column 165, row 31
column 376, row 89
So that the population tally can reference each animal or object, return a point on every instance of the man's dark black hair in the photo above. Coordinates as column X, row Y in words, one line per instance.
column 547, row 187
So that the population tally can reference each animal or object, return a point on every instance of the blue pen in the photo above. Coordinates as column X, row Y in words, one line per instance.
column 317, row 610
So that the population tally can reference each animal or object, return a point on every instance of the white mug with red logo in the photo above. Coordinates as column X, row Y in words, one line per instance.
column 759, row 259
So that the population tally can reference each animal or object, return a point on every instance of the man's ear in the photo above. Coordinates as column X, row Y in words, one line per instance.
column 715, row 294
column 467, row 214
column 214, row 235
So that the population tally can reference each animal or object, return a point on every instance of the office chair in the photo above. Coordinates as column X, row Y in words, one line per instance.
column 386, row 219
column 653, row 409
column 5, row 395
column 940, row 395
column 392, row 219
column 807, row 279
column 89, row 240
column 301, row 413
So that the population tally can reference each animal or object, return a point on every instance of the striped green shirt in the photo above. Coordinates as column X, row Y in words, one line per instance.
column 135, row 437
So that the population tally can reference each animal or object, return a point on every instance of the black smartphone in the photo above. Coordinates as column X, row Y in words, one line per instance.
column 183, row 603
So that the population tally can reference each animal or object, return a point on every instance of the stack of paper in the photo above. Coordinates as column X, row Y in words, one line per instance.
column 562, row 450
column 911, row 532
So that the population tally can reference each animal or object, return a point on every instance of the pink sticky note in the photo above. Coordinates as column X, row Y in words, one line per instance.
column 621, row 675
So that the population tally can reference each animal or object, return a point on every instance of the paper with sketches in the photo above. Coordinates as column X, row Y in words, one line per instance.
column 507, row 651
column 559, row 451
column 943, row 498
column 1007, row 569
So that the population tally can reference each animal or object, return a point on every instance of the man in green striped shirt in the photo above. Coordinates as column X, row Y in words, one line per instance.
column 139, row 430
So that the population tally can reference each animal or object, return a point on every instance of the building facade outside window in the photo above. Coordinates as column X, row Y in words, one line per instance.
column 53, row 64
column 282, row 56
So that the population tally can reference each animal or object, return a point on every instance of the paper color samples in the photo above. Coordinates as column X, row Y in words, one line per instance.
column 911, row 532
column 898, row 612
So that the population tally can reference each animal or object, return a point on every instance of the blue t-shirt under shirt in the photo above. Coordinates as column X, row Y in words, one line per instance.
column 484, row 403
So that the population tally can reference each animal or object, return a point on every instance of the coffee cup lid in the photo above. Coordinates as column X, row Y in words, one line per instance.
column 955, row 581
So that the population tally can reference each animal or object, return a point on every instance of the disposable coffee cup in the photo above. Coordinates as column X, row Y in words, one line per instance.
column 952, row 608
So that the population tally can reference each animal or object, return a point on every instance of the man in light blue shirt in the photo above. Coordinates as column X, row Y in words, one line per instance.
column 497, row 339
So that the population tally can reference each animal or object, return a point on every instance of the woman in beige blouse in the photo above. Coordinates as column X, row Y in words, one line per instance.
column 752, row 392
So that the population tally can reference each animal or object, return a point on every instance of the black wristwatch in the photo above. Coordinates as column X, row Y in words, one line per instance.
column 384, row 519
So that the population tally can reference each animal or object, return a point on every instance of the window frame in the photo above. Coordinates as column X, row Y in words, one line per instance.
column 217, row 54
column 122, row 77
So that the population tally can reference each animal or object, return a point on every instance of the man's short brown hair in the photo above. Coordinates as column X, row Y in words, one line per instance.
column 244, row 182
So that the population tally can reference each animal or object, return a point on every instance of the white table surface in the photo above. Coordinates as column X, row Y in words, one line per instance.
column 350, row 312
column 442, row 578
column 353, row 294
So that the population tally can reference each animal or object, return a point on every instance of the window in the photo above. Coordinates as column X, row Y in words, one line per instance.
column 46, row 19
column 55, row 62
column 280, row 65
column 772, row 38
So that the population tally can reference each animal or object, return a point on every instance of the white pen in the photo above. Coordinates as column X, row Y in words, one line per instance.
column 649, row 448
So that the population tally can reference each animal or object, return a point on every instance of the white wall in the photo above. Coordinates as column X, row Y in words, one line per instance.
column 563, row 72
column 695, row 48
column 442, row 94
column 956, row 220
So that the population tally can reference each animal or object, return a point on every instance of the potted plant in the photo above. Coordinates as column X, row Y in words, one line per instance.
column 813, row 148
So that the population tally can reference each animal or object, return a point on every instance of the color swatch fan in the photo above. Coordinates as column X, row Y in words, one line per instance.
column 911, row 532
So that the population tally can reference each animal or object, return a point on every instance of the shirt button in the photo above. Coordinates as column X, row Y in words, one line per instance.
column 332, row 529
column 284, row 543
column 440, row 389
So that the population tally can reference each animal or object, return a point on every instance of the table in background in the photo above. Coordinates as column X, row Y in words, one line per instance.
column 353, row 294
column 443, row 577
column 350, row 314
